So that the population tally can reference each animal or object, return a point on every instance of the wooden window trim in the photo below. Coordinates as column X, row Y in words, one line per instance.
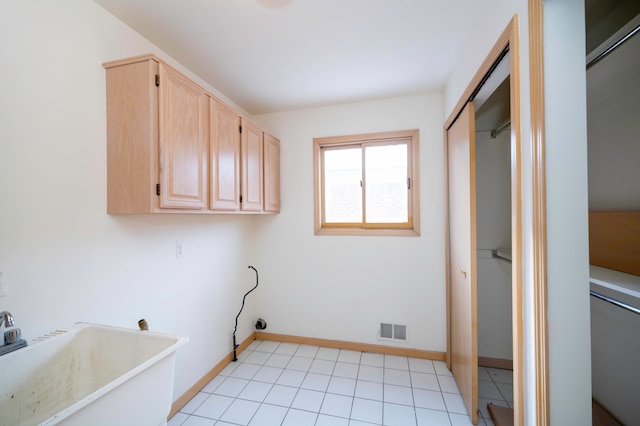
column 410, row 229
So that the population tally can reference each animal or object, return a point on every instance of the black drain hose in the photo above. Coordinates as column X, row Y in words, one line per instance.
column 235, row 346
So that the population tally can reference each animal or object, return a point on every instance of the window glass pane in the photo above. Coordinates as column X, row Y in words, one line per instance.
column 343, row 193
column 386, row 178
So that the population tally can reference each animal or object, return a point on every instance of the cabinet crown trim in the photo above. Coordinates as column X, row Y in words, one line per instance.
column 132, row 60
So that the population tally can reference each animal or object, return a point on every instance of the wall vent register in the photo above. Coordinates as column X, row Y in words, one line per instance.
column 388, row 331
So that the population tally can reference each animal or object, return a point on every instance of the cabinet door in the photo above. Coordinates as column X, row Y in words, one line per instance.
column 271, row 174
column 183, row 141
column 252, row 178
column 225, row 157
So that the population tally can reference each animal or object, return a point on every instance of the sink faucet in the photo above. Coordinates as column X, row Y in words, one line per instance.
column 10, row 336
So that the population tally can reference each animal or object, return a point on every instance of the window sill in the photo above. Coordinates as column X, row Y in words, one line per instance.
column 369, row 232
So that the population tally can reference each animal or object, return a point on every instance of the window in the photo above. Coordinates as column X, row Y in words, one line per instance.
column 367, row 184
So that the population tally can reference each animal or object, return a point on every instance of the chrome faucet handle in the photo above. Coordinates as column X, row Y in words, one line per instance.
column 12, row 336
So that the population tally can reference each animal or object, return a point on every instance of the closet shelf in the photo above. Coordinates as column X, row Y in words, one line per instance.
column 502, row 254
column 495, row 253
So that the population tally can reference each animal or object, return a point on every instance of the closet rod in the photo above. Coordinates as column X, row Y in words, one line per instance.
column 615, row 302
column 613, row 47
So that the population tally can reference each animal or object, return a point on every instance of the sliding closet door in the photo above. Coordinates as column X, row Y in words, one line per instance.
column 462, row 257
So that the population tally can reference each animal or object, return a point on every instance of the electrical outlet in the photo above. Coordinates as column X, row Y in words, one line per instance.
column 179, row 250
column 4, row 282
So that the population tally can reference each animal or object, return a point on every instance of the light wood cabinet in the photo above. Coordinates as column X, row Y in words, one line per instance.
column 183, row 141
column 174, row 148
column 252, row 166
column 225, row 157
column 156, row 139
column 271, row 174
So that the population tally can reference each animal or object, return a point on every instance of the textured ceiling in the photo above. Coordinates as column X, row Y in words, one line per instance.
column 275, row 55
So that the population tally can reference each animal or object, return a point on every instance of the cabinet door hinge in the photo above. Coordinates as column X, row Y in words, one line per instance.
column 157, row 80
column 408, row 183
column 240, row 128
column 241, row 198
column 157, row 189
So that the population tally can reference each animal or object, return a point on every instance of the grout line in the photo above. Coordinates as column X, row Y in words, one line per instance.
column 386, row 365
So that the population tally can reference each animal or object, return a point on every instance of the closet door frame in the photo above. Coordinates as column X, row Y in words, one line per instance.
column 508, row 41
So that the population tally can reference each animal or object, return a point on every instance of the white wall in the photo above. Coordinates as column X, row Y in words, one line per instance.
column 342, row 287
column 68, row 260
column 614, row 151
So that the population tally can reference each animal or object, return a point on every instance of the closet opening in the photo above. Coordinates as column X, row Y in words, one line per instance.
column 493, row 233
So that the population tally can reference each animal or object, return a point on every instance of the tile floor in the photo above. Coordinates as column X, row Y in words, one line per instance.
column 287, row 384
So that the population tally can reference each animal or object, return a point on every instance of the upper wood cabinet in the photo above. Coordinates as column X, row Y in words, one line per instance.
column 225, row 157
column 252, row 166
column 156, row 139
column 174, row 148
column 183, row 141
column 271, row 174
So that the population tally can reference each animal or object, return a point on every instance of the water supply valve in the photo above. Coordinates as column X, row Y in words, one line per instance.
column 261, row 324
